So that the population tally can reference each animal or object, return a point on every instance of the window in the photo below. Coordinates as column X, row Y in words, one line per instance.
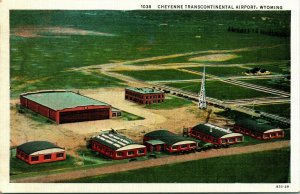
column 183, row 146
column 34, row 158
column 130, row 153
column 59, row 155
column 239, row 139
column 47, row 157
column 224, row 140
column 231, row 140
column 141, row 151
column 120, row 154
column 193, row 145
column 266, row 135
column 273, row 134
column 174, row 147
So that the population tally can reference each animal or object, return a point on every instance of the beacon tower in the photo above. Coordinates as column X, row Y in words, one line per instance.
column 202, row 97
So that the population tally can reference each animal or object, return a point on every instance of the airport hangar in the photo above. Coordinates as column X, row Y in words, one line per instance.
column 164, row 140
column 36, row 152
column 258, row 130
column 65, row 106
column 214, row 134
column 117, row 146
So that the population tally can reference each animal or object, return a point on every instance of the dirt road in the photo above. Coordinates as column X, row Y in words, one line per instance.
column 154, row 162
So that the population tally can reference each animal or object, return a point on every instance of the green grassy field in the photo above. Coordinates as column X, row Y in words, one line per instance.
column 274, row 54
column 220, row 90
column 279, row 83
column 130, row 117
column 244, row 168
column 283, row 110
column 170, row 103
column 62, row 80
column 160, row 75
column 220, row 71
column 41, row 62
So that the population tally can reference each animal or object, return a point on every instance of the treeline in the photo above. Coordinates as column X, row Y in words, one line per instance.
column 270, row 32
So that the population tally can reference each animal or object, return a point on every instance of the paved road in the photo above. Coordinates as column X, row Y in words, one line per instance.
column 154, row 162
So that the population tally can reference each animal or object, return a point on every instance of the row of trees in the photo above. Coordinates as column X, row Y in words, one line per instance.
column 269, row 32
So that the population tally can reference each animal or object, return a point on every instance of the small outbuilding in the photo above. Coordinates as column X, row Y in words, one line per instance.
column 214, row 134
column 155, row 145
column 65, row 106
column 117, row 146
column 144, row 95
column 164, row 140
column 36, row 152
column 116, row 112
column 258, row 130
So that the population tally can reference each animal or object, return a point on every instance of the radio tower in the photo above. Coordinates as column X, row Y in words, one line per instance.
column 202, row 97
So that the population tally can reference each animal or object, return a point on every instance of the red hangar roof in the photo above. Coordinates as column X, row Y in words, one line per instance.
column 59, row 100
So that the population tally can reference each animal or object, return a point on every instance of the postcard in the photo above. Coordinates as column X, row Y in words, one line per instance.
column 149, row 96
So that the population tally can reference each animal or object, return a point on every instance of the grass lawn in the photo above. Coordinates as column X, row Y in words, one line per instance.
column 220, row 90
column 130, row 117
column 220, row 71
column 261, row 167
column 279, row 84
column 170, row 103
column 182, row 59
column 160, row 75
column 283, row 110
column 274, row 54
column 63, row 80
